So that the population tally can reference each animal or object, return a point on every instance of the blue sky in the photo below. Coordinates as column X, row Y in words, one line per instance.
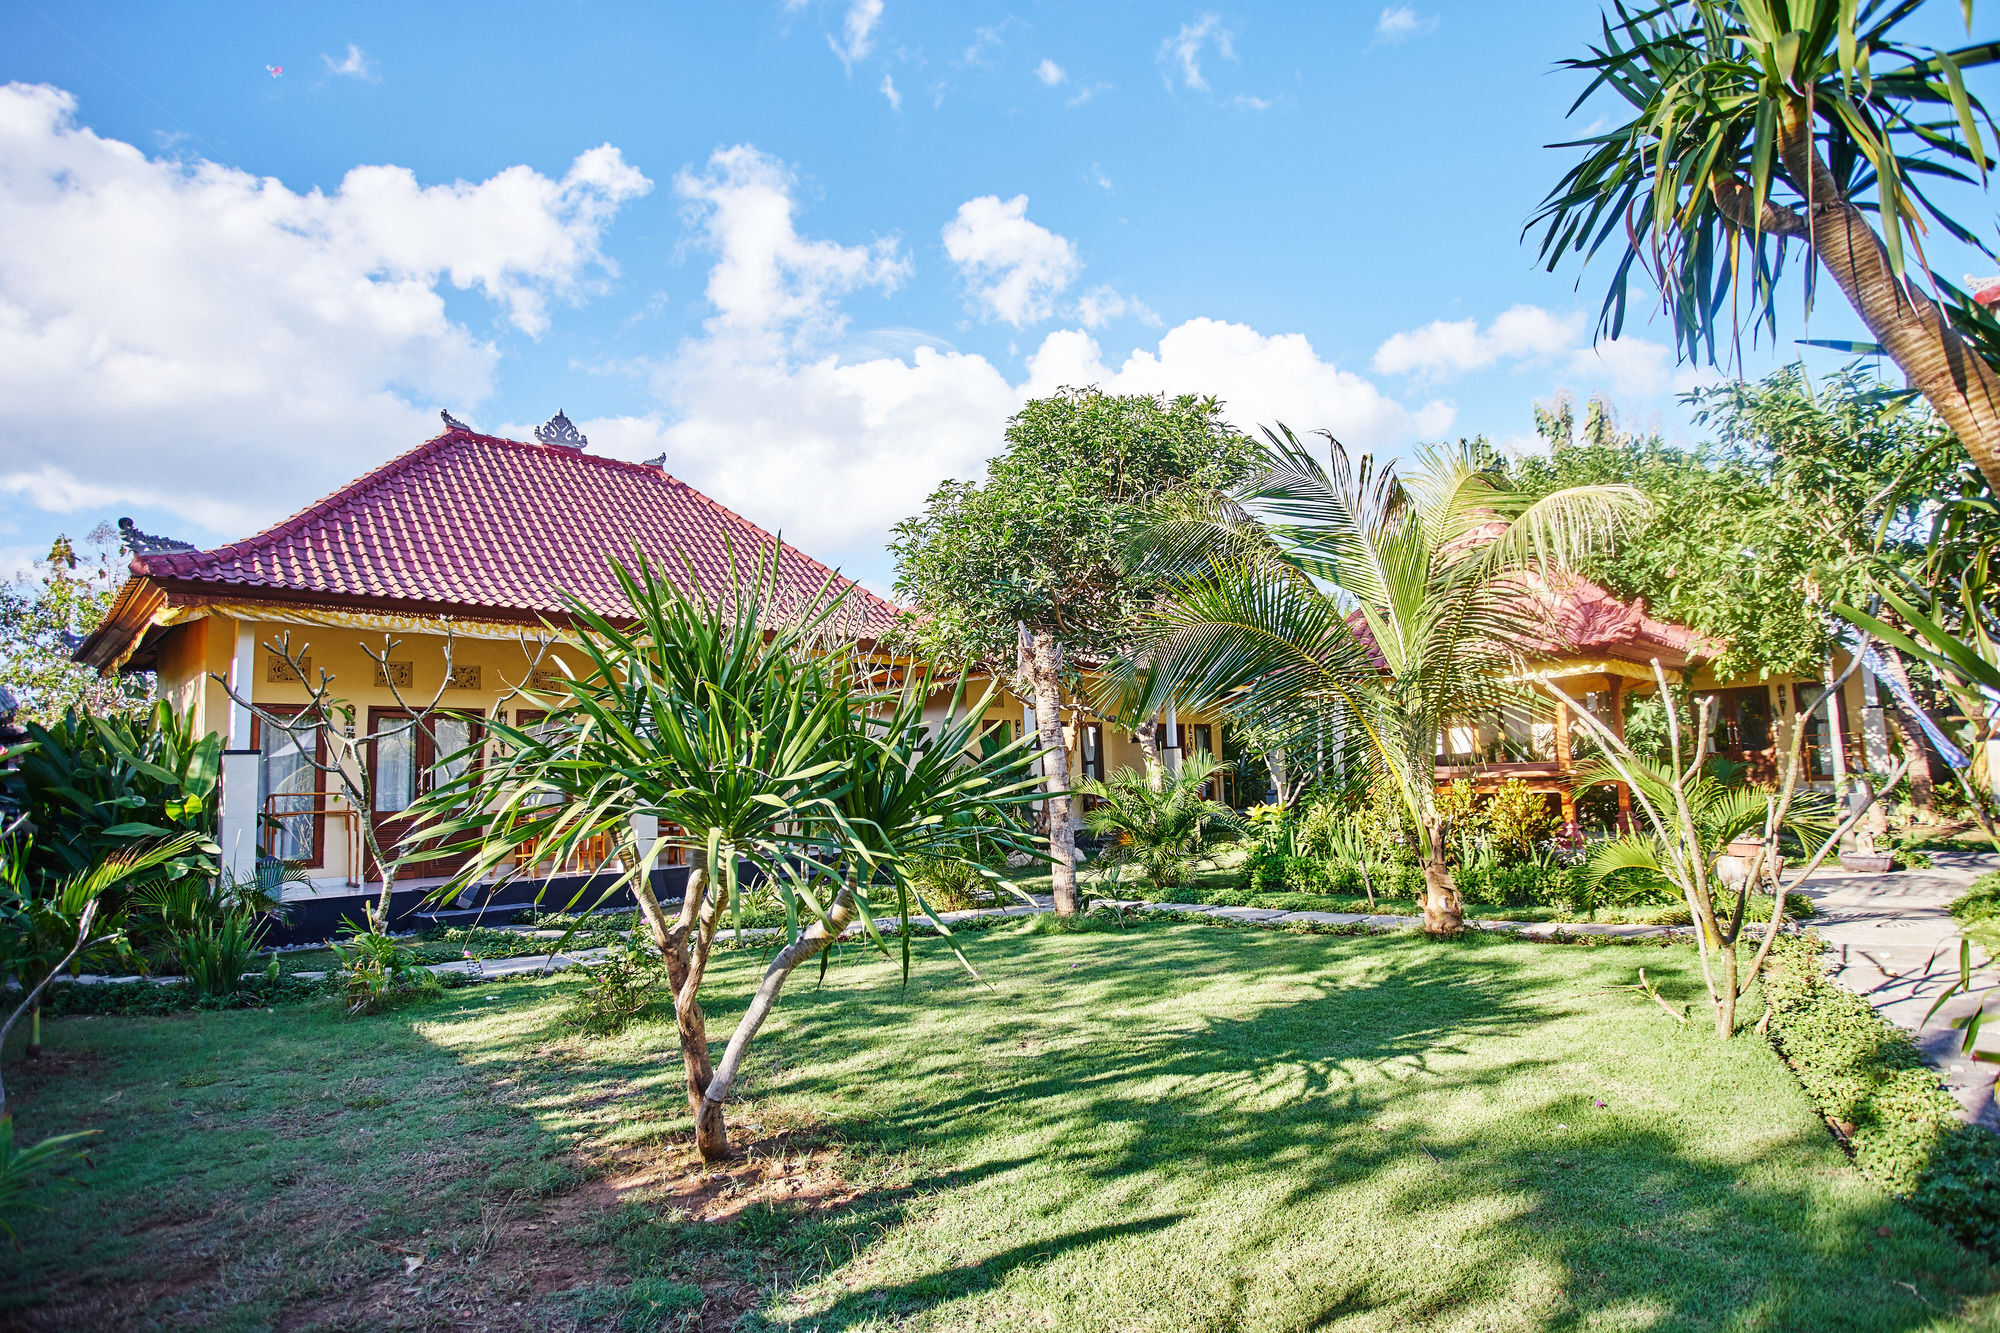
column 813, row 252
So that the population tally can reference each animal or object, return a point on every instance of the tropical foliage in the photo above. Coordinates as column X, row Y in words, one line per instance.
column 97, row 785
column 1029, row 566
column 763, row 750
column 1385, row 606
column 1159, row 831
column 1751, row 125
column 42, row 617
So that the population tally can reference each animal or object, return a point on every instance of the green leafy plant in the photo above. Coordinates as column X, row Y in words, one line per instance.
column 616, row 989
column 381, row 972
column 213, row 953
column 24, row 1182
column 96, row 785
column 1866, row 1077
column 1755, row 125
column 742, row 726
column 1687, row 817
column 1159, row 832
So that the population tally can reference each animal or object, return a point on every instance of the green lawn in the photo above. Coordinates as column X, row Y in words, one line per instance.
column 1166, row 1128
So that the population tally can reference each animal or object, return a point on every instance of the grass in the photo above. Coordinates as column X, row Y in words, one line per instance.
column 1174, row 1126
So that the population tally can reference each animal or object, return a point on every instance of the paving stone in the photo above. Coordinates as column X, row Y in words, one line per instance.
column 1325, row 918
column 1247, row 913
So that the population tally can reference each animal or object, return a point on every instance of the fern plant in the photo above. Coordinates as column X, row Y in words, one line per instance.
column 1159, row 832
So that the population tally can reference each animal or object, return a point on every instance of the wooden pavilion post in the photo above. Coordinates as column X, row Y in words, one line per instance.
column 1617, row 691
column 1565, row 785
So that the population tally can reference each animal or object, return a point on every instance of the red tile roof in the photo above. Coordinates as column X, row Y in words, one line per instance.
column 474, row 524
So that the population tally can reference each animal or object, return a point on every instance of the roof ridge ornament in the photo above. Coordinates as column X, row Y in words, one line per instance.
column 660, row 462
column 145, row 543
column 453, row 423
column 561, row 432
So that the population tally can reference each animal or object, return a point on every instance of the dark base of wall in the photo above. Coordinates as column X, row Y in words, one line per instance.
column 313, row 920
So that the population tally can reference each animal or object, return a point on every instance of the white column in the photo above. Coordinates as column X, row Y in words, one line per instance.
column 1874, row 723
column 238, row 824
column 1170, row 752
column 1836, row 743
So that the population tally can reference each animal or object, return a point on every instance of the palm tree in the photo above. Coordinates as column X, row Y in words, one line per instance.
column 1757, row 123
column 1160, row 829
column 1344, row 599
column 749, row 734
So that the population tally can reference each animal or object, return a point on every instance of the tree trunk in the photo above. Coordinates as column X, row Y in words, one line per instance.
column 1911, row 329
column 1444, row 914
column 685, row 964
column 711, row 1137
column 1907, row 731
column 1149, row 746
column 1044, row 670
column 35, row 1032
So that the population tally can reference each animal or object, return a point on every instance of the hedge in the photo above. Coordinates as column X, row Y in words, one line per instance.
column 1865, row 1076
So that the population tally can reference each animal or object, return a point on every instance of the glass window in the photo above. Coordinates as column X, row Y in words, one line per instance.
column 454, row 748
column 395, row 765
column 286, row 781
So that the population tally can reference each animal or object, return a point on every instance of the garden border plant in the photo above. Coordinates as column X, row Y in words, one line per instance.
column 1866, row 1077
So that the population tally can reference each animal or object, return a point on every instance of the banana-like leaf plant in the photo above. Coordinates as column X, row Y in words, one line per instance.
column 1754, row 125
column 751, row 733
column 1347, row 600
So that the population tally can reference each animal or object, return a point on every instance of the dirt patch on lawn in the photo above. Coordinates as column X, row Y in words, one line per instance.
column 546, row 1263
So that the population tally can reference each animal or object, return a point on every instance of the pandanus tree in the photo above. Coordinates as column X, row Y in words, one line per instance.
column 1347, row 599
column 766, row 750
column 1757, row 125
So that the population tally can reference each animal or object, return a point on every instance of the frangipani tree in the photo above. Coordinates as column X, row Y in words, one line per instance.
column 1757, row 124
column 756, row 740
column 1388, row 606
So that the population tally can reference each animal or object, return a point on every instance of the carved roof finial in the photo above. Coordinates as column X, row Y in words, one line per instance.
column 145, row 543
column 559, row 430
column 453, row 423
column 659, row 462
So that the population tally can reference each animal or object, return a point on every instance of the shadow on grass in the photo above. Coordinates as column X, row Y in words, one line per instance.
column 1414, row 1131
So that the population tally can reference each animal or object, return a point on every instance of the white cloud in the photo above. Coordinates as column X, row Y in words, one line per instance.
column 1098, row 178
column 1399, row 23
column 1100, row 305
column 356, row 64
column 986, row 42
column 1261, row 379
column 1448, row 347
column 857, row 37
column 1015, row 268
column 889, row 91
column 209, row 342
column 1183, row 50
column 764, row 414
column 768, row 281
column 1050, row 73
column 1628, row 367
column 1249, row 103
column 1082, row 95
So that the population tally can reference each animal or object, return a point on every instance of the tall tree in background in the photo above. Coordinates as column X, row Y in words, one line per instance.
column 41, row 619
column 1029, row 565
column 1762, row 122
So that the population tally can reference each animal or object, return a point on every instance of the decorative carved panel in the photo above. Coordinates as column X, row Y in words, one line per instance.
column 547, row 678
column 463, row 678
column 279, row 672
column 401, row 674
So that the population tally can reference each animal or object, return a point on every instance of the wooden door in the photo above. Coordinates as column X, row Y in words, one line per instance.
column 404, row 762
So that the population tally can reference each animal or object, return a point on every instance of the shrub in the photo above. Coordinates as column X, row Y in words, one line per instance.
column 616, row 990
column 214, row 953
column 951, row 885
column 1865, row 1076
column 1516, row 819
column 381, row 972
